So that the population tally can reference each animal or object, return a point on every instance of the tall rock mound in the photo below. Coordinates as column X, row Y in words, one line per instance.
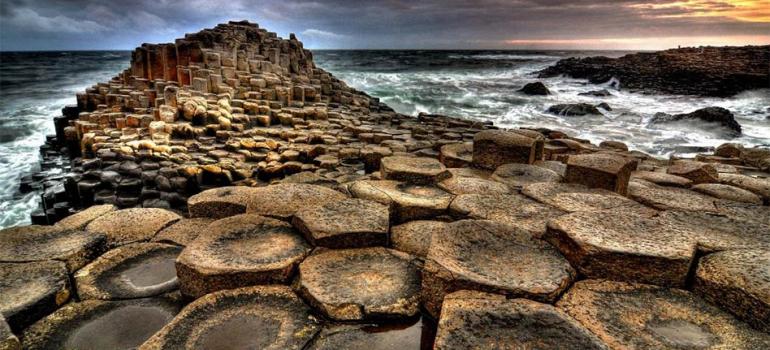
column 703, row 71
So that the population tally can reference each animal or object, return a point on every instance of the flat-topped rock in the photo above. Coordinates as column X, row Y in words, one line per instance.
column 739, row 282
column 360, row 284
column 414, row 237
column 137, row 270
column 238, row 251
column 406, row 201
column 475, row 320
column 281, row 201
column 761, row 187
column 38, row 243
column 716, row 232
column 493, row 148
column 662, row 179
column 728, row 192
column 221, row 202
column 98, row 324
column 638, row 316
column 263, row 317
column 415, row 170
column 79, row 220
column 467, row 180
column 575, row 197
column 8, row 341
column 697, row 172
column 468, row 256
column 348, row 223
column 517, row 176
column 669, row 198
column 32, row 290
column 456, row 155
column 600, row 170
column 371, row 337
column 183, row 232
column 132, row 225
column 511, row 209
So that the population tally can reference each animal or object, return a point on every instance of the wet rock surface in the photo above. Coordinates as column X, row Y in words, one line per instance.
column 717, row 115
column 517, row 176
column 390, row 336
column 31, row 291
column 536, row 88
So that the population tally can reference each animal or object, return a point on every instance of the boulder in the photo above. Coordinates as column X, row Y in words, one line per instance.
column 536, row 88
column 39, row 243
column 414, row 237
column 183, row 232
column 361, row 284
column 574, row 109
column 729, row 150
column 99, row 324
column 574, row 197
column 264, row 317
column 468, row 256
column 614, row 145
column 79, row 220
column 728, row 192
column 281, row 201
column 517, row 176
column 414, row 170
column 348, row 223
column 132, row 225
column 639, row 316
column 472, row 319
column 131, row 271
column 493, row 148
column 511, row 209
column 32, row 290
column 596, row 93
column 407, row 202
column 239, row 251
column 456, row 155
column 718, row 115
column 221, row 202
column 600, row 171
column 697, row 172
column 739, row 282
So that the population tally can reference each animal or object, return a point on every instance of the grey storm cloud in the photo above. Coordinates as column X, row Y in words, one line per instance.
column 107, row 24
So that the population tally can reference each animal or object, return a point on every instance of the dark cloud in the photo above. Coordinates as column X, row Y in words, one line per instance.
column 108, row 24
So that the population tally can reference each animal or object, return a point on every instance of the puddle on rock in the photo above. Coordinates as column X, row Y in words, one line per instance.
column 681, row 333
column 126, row 327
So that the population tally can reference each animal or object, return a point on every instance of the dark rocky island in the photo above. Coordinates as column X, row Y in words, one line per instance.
column 225, row 192
column 702, row 71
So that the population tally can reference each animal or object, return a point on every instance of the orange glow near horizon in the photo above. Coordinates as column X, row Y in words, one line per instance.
column 741, row 10
column 652, row 43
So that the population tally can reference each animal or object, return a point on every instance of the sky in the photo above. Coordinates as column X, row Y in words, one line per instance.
column 392, row 24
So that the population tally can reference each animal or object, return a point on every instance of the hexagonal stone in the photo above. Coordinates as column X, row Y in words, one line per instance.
column 469, row 256
column 349, row 223
column 669, row 198
column 98, row 324
column 221, row 202
column 132, row 225
column 662, row 179
column 281, row 201
column 264, row 317
column 600, row 170
column 493, row 148
column 756, row 185
column 359, row 284
column 414, row 237
column 238, row 251
column 386, row 337
column 136, row 270
column 407, row 202
column 638, row 316
column 32, row 290
column 475, row 320
column 183, row 232
column 511, row 209
column 739, row 282
column 519, row 175
column 462, row 182
column 716, row 232
column 415, row 170
column 8, row 341
column 79, row 220
column 38, row 243
column 697, row 172
column 728, row 192
column 456, row 155
column 575, row 197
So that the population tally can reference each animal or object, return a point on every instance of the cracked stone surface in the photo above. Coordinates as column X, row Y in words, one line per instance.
column 240, row 251
column 99, row 324
column 261, row 317
column 132, row 225
column 131, row 271
column 361, row 284
column 38, row 243
column 81, row 219
column 350, row 223
column 639, row 316
column 407, row 202
column 511, row 209
column 414, row 237
column 32, row 290
column 221, row 202
column 414, row 170
column 739, row 282
column 519, row 175
column 476, row 320
column 281, row 201
column 575, row 197
column 468, row 257
column 183, row 232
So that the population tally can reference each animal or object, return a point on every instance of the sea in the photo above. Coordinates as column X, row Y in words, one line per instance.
column 479, row 85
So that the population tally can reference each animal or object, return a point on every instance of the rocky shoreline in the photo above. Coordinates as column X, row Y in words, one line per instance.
column 701, row 71
column 225, row 191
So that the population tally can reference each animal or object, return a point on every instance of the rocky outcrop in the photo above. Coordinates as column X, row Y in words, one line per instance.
column 576, row 109
column 536, row 88
column 718, row 115
column 704, row 71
